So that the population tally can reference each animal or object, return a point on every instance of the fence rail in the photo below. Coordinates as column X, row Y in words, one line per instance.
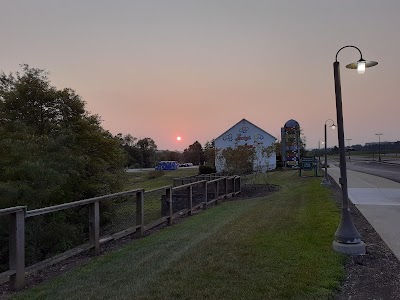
column 133, row 211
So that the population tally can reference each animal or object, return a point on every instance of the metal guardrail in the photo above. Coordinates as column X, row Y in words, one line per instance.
column 144, row 209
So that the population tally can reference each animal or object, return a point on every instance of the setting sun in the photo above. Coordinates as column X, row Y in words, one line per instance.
column 178, row 138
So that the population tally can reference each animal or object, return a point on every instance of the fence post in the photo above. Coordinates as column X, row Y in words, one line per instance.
column 226, row 186
column 217, row 190
column 140, row 212
column 17, row 248
column 190, row 199
column 94, row 226
column 169, row 199
column 205, row 195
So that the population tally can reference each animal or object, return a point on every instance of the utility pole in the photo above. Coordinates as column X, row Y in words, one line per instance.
column 349, row 146
column 379, row 146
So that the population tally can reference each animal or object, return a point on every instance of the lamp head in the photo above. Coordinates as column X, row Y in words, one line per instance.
column 361, row 65
column 333, row 126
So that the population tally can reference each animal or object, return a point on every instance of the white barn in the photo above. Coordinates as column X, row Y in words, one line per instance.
column 245, row 133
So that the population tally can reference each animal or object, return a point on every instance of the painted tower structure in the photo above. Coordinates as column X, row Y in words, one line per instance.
column 290, row 137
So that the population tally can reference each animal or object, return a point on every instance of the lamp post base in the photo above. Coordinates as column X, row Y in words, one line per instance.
column 325, row 182
column 351, row 249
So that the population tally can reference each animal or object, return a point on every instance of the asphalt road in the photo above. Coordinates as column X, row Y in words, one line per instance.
column 385, row 170
column 150, row 169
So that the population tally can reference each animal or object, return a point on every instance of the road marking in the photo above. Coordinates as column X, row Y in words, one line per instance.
column 385, row 171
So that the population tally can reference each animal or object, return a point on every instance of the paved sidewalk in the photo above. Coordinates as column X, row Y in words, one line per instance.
column 378, row 199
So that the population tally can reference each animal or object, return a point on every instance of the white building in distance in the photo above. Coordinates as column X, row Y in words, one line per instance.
column 245, row 133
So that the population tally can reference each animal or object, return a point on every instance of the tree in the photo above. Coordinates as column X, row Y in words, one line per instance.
column 169, row 155
column 267, row 153
column 194, row 154
column 209, row 153
column 238, row 160
column 302, row 143
column 52, row 150
column 129, row 140
column 147, row 148
column 132, row 152
column 30, row 99
column 335, row 150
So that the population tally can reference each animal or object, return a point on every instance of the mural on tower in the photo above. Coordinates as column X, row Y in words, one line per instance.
column 290, row 137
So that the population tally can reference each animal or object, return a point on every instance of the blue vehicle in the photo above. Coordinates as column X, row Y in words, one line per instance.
column 167, row 165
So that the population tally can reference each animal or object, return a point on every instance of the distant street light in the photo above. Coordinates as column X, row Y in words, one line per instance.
column 349, row 142
column 347, row 239
column 326, row 180
column 379, row 146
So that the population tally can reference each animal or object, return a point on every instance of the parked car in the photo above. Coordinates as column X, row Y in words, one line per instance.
column 186, row 165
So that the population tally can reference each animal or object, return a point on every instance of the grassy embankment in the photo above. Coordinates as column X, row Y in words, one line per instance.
column 275, row 247
column 140, row 179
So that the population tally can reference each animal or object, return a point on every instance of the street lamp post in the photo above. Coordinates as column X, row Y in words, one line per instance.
column 326, row 180
column 319, row 153
column 379, row 146
column 348, row 140
column 347, row 238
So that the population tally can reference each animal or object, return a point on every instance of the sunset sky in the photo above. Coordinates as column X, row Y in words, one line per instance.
column 164, row 69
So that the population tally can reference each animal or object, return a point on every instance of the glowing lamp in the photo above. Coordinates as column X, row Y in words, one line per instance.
column 361, row 67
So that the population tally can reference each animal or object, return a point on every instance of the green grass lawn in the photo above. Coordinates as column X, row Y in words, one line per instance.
column 140, row 180
column 274, row 247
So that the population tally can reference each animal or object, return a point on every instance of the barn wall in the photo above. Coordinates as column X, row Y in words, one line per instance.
column 246, row 133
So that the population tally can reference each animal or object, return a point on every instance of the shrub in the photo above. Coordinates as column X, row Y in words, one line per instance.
column 207, row 170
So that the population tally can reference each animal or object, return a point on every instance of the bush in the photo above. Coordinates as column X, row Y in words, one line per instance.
column 207, row 170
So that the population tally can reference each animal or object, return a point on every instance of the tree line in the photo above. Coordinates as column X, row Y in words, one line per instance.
column 53, row 151
column 144, row 153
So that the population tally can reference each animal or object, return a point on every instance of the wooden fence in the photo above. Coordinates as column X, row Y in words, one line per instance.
column 187, row 195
